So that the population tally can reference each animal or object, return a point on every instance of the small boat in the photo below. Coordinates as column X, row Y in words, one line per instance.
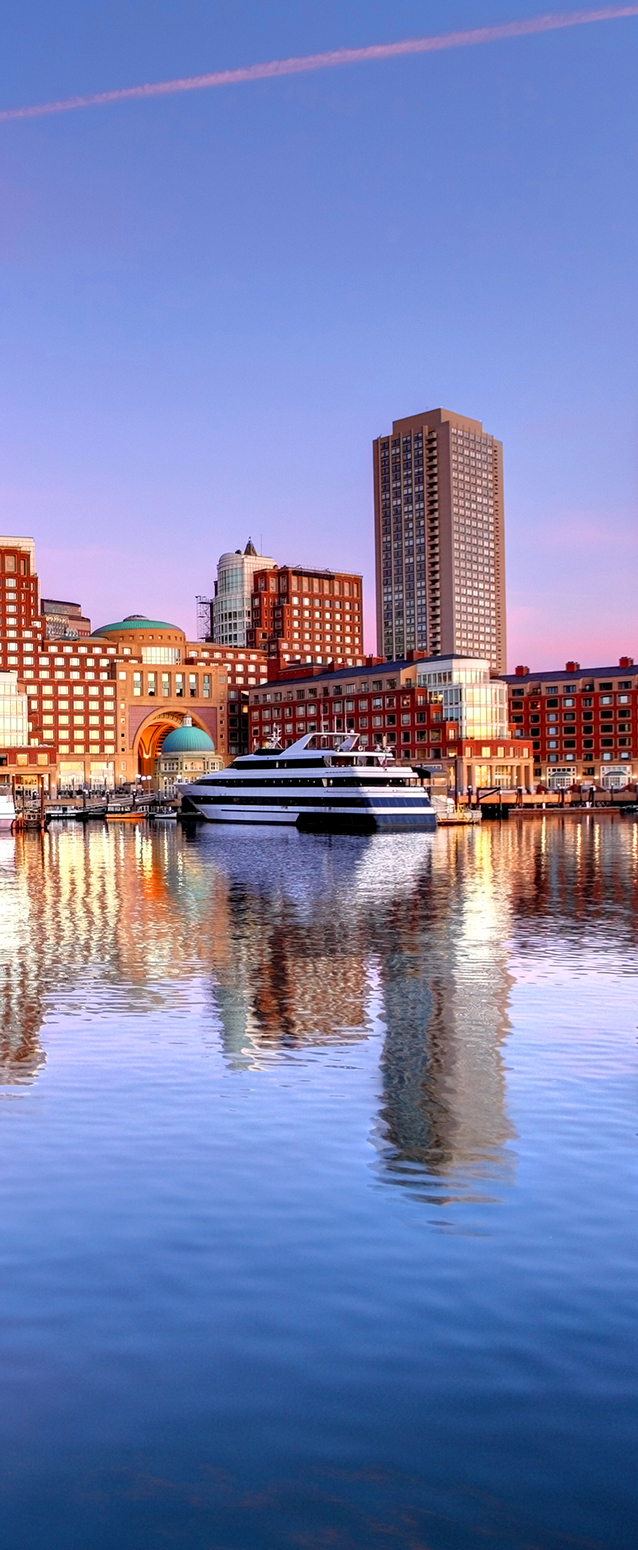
column 163, row 815
column 7, row 809
column 324, row 782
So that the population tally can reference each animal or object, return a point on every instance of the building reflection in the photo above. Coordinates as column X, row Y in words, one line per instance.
column 445, row 995
column 427, row 924
column 288, row 943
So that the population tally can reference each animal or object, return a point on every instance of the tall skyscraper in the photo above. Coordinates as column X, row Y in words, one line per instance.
column 440, row 539
column 232, row 603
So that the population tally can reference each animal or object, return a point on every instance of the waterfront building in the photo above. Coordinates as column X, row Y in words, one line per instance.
column 99, row 709
column 21, row 639
column 581, row 722
column 393, row 705
column 232, row 603
column 440, row 539
column 185, row 754
column 316, row 615
column 469, row 697
column 64, row 621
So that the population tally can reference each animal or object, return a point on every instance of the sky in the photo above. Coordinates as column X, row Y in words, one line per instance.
column 211, row 303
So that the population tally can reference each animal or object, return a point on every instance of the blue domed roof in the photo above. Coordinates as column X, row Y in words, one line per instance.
column 188, row 739
column 135, row 622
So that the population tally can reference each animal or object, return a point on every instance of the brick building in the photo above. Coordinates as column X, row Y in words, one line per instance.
column 414, row 706
column 312, row 614
column 99, row 708
column 380, row 701
column 581, row 722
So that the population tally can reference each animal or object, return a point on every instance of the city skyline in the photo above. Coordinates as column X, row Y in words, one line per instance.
column 215, row 301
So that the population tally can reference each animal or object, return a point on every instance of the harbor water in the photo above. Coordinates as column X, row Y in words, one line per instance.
column 318, row 1167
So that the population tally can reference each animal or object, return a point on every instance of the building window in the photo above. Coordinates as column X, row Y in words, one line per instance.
column 206, row 686
column 166, row 685
column 137, row 683
column 151, row 684
column 179, row 685
column 192, row 685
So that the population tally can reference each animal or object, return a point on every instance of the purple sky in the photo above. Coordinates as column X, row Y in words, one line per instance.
column 212, row 303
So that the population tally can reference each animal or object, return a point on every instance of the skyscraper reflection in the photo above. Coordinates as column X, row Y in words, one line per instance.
column 445, row 994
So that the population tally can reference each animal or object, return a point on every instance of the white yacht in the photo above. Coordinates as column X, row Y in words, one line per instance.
column 7, row 808
column 324, row 781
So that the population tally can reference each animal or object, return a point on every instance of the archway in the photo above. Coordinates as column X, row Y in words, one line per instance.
column 151, row 735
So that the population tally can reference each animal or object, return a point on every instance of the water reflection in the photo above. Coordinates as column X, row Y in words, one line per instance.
column 293, row 942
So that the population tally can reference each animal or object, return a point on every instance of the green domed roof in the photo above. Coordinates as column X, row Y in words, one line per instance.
column 136, row 622
column 188, row 739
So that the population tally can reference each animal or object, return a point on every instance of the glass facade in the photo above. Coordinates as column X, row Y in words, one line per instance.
column 232, row 604
column 161, row 654
column 14, row 722
column 468, row 696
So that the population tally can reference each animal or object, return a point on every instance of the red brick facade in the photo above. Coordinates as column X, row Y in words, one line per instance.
column 382, row 703
column 578, row 719
column 314, row 614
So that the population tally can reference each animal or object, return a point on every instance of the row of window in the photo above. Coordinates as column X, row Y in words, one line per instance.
column 80, row 692
column 376, row 703
column 305, row 584
column 588, row 742
column 378, row 738
column 605, row 689
column 569, row 718
column 14, row 564
column 185, row 684
column 78, row 720
column 334, row 691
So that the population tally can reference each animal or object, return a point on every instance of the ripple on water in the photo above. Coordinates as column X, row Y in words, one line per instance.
column 318, row 1173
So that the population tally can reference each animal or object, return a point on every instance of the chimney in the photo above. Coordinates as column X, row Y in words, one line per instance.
column 572, row 667
column 626, row 662
column 522, row 672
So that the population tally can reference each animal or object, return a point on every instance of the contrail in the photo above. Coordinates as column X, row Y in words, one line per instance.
column 340, row 56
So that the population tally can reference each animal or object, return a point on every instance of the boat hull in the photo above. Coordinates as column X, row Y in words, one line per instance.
column 338, row 823
column 318, row 820
column 7, row 815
